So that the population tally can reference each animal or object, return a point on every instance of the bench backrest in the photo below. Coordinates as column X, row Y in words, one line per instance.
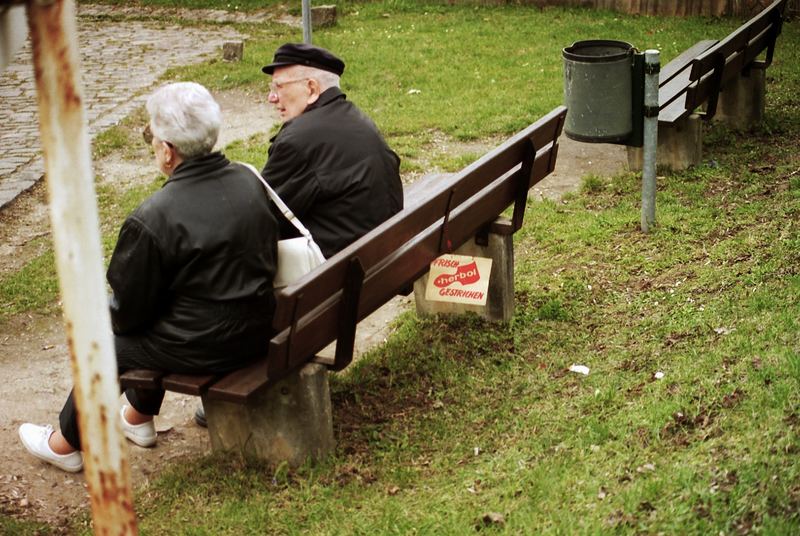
column 326, row 304
column 696, row 76
column 735, row 54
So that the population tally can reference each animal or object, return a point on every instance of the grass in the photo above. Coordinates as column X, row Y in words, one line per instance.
column 454, row 419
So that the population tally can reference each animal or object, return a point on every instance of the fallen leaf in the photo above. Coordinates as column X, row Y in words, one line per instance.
column 493, row 518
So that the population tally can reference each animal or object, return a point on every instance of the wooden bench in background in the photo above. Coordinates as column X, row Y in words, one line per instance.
column 724, row 77
column 278, row 409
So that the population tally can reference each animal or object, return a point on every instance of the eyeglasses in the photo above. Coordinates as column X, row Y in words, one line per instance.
column 147, row 134
column 275, row 86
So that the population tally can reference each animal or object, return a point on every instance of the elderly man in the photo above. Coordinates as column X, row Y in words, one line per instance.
column 328, row 163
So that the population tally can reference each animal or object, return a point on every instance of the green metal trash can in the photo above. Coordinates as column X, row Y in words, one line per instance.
column 598, row 91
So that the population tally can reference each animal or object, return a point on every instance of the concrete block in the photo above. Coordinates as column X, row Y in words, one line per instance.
column 741, row 102
column 288, row 422
column 680, row 145
column 500, row 301
column 323, row 16
column 233, row 51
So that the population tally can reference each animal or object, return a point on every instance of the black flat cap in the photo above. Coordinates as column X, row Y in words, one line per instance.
column 303, row 54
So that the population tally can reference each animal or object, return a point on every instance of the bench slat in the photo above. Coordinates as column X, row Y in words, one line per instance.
column 241, row 384
column 141, row 379
column 683, row 61
column 674, row 89
column 188, row 384
column 675, row 111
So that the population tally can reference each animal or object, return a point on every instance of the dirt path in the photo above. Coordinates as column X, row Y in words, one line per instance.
column 34, row 362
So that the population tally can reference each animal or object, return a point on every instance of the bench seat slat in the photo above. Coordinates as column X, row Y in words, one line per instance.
column 188, row 384
column 674, row 89
column 141, row 379
column 674, row 112
column 683, row 61
column 241, row 384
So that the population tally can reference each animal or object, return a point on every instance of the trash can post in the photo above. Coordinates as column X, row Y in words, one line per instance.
column 652, row 67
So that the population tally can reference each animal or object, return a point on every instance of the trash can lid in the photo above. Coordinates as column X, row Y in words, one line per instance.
column 597, row 51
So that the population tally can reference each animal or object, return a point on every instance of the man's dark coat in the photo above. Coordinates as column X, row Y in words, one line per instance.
column 192, row 270
column 333, row 169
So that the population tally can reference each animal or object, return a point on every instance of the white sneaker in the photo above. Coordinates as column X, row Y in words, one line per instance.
column 35, row 439
column 143, row 434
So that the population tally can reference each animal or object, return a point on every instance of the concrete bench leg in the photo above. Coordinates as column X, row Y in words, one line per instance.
column 500, row 301
column 741, row 102
column 290, row 421
column 680, row 146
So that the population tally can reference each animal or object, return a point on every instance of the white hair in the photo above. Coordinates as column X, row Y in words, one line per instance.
column 185, row 115
column 326, row 79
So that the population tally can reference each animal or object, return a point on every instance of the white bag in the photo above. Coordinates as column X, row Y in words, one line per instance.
column 296, row 256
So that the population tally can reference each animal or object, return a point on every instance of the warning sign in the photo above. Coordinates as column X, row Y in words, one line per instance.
column 459, row 279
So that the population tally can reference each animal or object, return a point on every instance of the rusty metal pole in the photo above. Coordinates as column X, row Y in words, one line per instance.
column 76, row 235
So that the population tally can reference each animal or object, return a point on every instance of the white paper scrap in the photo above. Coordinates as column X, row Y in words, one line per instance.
column 580, row 369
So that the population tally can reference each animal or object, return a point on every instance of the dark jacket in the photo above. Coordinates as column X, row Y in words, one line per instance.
column 333, row 169
column 192, row 270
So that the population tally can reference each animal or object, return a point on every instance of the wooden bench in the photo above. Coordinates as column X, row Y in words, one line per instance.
column 278, row 408
column 723, row 76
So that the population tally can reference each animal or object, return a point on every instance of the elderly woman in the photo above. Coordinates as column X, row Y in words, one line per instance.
column 191, row 273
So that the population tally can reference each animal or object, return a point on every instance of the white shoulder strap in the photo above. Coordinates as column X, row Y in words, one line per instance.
column 279, row 202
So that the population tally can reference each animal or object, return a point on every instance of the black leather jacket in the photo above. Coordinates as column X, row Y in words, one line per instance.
column 332, row 168
column 192, row 270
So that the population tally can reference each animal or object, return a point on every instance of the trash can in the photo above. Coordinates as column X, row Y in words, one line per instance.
column 598, row 91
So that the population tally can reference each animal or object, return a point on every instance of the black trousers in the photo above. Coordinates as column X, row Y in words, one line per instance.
column 130, row 355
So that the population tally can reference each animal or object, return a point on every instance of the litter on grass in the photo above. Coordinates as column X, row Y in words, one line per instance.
column 580, row 369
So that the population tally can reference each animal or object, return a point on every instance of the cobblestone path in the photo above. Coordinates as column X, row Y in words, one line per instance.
column 120, row 62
